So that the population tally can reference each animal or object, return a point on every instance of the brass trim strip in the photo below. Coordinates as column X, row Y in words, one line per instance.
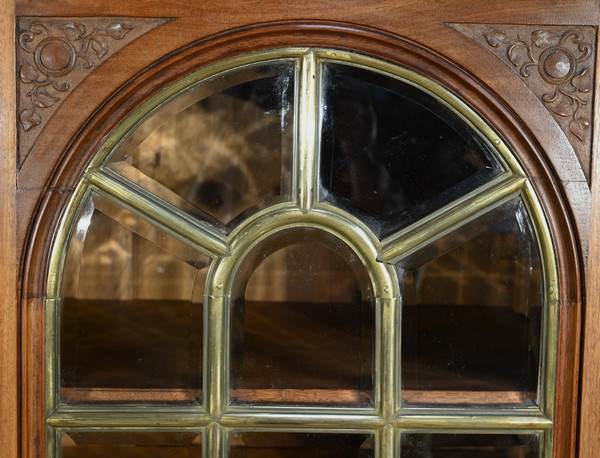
column 551, row 315
column 60, row 246
column 307, row 141
column 189, row 230
column 53, row 441
column 446, row 220
column 216, row 378
column 479, row 421
column 217, row 441
column 113, row 416
column 286, row 216
column 387, row 444
column 289, row 420
column 388, row 365
column 52, row 352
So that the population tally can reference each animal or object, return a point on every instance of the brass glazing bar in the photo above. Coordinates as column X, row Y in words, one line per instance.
column 444, row 221
column 472, row 421
column 51, row 354
column 290, row 419
column 176, row 222
column 216, row 441
column 53, row 437
column 387, row 443
column 127, row 417
column 65, row 231
column 305, row 171
column 215, row 342
column 550, row 324
column 389, row 328
column 267, row 223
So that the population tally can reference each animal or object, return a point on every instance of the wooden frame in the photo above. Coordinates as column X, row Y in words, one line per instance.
column 181, row 32
column 9, row 321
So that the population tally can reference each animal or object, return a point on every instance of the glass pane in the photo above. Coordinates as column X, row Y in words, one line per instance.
column 127, row 316
column 471, row 314
column 392, row 153
column 302, row 323
column 131, row 444
column 470, row 446
column 305, row 445
column 223, row 149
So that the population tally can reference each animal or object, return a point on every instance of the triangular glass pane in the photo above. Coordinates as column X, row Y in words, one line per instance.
column 221, row 150
column 390, row 153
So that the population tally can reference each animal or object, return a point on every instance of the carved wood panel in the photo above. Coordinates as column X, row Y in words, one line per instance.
column 557, row 64
column 54, row 55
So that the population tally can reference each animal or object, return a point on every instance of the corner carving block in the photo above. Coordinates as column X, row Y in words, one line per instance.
column 54, row 55
column 557, row 64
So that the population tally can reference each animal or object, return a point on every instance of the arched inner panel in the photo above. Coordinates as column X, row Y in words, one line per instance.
column 302, row 323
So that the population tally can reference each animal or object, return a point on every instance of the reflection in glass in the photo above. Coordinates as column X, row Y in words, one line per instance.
column 131, row 444
column 416, row 445
column 302, row 323
column 305, row 445
column 471, row 313
column 224, row 147
column 391, row 153
column 127, row 319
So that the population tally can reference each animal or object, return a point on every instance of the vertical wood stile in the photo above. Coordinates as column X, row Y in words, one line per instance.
column 9, row 322
column 589, row 415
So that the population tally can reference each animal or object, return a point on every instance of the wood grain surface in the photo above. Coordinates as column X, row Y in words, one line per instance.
column 9, row 321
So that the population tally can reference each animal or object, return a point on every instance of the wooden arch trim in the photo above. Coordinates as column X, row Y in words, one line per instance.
column 59, row 174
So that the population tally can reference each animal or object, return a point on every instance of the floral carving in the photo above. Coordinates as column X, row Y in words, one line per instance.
column 560, row 59
column 55, row 51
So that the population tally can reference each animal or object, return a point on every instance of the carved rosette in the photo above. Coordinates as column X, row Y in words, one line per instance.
column 55, row 55
column 556, row 64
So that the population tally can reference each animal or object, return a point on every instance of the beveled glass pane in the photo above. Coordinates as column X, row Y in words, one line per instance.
column 417, row 445
column 305, row 445
column 471, row 314
column 391, row 153
column 129, row 329
column 302, row 323
column 221, row 150
column 131, row 444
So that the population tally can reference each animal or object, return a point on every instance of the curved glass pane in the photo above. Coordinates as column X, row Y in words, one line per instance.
column 391, row 153
column 302, row 323
column 221, row 150
column 128, row 327
column 471, row 314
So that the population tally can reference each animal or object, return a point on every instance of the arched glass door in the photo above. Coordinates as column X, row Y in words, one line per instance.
column 302, row 253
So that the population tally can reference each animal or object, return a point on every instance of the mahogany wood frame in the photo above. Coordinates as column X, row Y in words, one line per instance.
column 18, row 411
